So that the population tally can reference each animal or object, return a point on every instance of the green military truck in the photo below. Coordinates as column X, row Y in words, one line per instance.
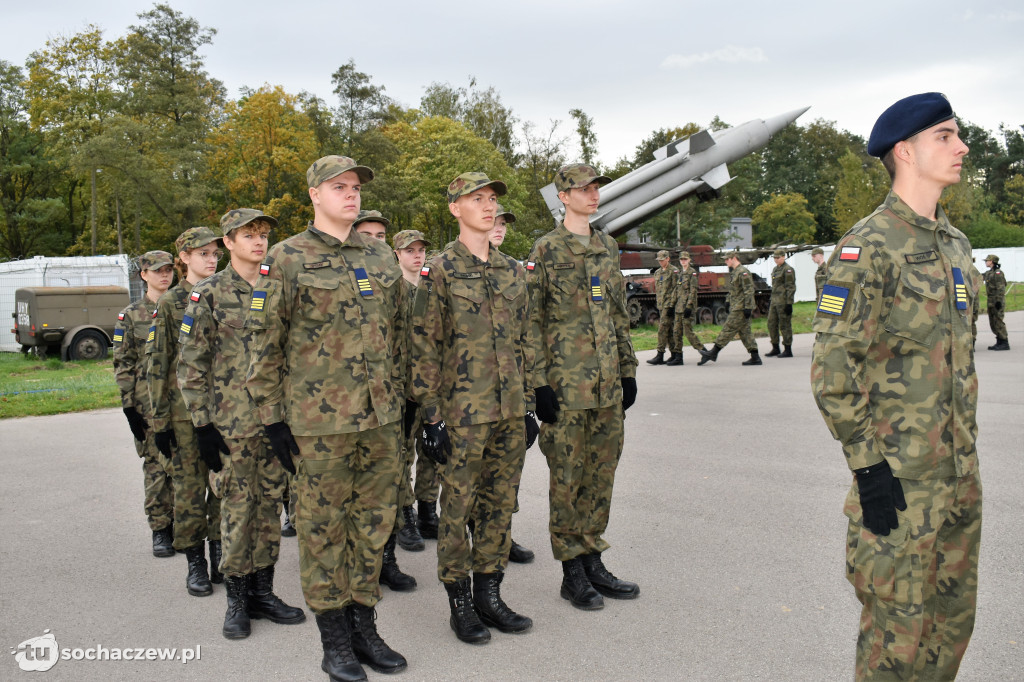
column 77, row 322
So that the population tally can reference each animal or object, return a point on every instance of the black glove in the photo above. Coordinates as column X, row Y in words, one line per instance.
column 628, row 392
column 283, row 444
column 547, row 404
column 880, row 496
column 136, row 422
column 211, row 444
column 789, row 308
column 436, row 443
column 532, row 430
column 670, row 312
column 747, row 312
column 409, row 419
column 998, row 305
column 687, row 313
column 165, row 440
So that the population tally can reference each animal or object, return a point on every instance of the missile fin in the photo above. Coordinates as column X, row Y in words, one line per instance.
column 716, row 177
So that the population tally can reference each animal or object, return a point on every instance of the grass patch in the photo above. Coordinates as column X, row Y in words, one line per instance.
column 30, row 387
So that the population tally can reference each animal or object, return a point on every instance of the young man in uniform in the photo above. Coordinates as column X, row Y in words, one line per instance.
column 584, row 374
column 780, row 311
column 741, row 307
column 821, row 274
column 469, row 363
column 894, row 377
column 665, row 280
column 327, row 377
column 215, row 350
column 995, row 292
column 372, row 224
column 686, row 305
column 157, row 270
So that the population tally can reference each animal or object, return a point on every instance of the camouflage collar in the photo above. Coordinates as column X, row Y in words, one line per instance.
column 355, row 239
column 902, row 211
column 236, row 279
column 494, row 259
column 595, row 247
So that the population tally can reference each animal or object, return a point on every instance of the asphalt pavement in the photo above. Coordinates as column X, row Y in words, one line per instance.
column 727, row 511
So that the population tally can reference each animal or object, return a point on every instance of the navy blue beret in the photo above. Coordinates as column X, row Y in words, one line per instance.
column 907, row 118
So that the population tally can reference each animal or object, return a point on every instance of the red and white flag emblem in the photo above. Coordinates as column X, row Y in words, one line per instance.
column 850, row 253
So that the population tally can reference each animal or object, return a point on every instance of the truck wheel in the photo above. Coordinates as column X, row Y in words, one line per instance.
column 652, row 316
column 721, row 313
column 634, row 309
column 704, row 315
column 88, row 345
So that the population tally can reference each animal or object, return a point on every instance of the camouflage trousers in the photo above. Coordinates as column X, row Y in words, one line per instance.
column 196, row 508
column 583, row 449
column 288, row 498
column 736, row 326
column 252, row 485
column 405, row 496
column 919, row 584
column 779, row 323
column 480, row 483
column 428, row 477
column 666, row 319
column 346, row 488
column 157, row 482
column 684, row 328
column 996, row 323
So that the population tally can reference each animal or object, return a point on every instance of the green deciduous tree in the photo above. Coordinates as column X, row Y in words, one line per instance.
column 783, row 219
column 482, row 111
column 862, row 186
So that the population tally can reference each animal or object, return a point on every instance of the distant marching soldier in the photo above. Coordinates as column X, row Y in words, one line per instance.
column 821, row 274
column 686, row 306
column 741, row 307
column 665, row 300
column 780, row 311
column 995, row 292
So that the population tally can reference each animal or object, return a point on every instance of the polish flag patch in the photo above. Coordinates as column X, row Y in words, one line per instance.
column 264, row 269
column 424, row 271
column 530, row 265
column 120, row 316
column 194, row 296
column 850, row 253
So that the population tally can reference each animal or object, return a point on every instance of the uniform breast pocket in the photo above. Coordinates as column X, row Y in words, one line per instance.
column 564, row 288
column 513, row 294
column 917, row 307
column 317, row 296
column 467, row 302
column 231, row 337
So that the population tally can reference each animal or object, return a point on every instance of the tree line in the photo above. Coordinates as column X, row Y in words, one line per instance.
column 118, row 145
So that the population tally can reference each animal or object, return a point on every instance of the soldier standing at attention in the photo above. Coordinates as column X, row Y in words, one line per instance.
column 328, row 377
column 894, row 377
column 665, row 300
column 469, row 362
column 821, row 274
column 224, row 309
column 741, row 307
column 130, row 334
column 585, row 377
column 780, row 312
column 372, row 224
column 995, row 292
column 196, row 507
column 686, row 304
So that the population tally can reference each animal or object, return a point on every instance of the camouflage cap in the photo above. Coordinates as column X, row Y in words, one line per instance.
column 240, row 217
column 467, row 183
column 194, row 237
column 154, row 260
column 509, row 216
column 407, row 238
column 371, row 217
column 578, row 175
column 328, row 167
column 735, row 253
column 663, row 255
column 817, row 251
column 992, row 257
column 684, row 255
column 779, row 253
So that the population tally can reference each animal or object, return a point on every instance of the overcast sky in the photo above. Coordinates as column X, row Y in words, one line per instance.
column 633, row 66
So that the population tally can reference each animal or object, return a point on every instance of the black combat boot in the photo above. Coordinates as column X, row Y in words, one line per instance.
column 518, row 554
column 198, row 580
column 709, row 355
column 409, row 537
column 675, row 360
column 263, row 603
column 658, row 359
column 1001, row 344
column 755, row 359
column 576, row 587
column 236, row 619
column 368, row 645
column 491, row 608
column 163, row 542
column 465, row 621
column 215, row 555
column 788, row 353
column 390, row 574
column 340, row 662
column 774, row 352
column 606, row 583
column 427, row 519
column 287, row 528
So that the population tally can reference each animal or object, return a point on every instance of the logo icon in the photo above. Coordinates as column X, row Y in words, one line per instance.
column 38, row 654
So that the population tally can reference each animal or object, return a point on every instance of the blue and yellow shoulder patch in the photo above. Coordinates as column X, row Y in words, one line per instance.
column 186, row 324
column 118, row 335
column 363, row 282
column 960, row 288
column 151, row 336
column 259, row 299
column 833, row 300
column 595, row 289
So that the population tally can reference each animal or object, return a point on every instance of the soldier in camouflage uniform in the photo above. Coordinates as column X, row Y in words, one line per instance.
column 328, row 379
column 133, row 323
column 584, row 375
column 686, row 305
column 665, row 280
column 780, row 312
column 372, row 224
column 214, row 357
column 196, row 507
column 741, row 307
column 894, row 377
column 468, row 370
column 821, row 274
column 995, row 291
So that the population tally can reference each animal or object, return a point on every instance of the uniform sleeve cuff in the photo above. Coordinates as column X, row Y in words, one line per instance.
column 861, row 454
column 271, row 414
column 201, row 417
